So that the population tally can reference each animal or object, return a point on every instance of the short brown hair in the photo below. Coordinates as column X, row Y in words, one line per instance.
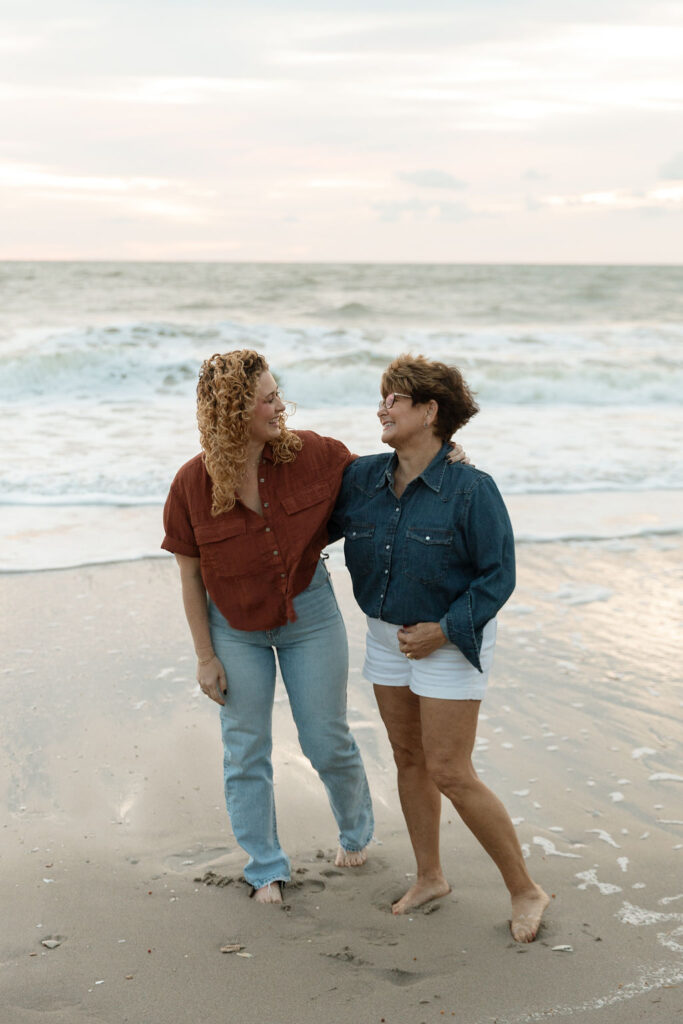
column 424, row 380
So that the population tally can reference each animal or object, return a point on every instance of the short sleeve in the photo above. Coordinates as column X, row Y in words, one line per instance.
column 337, row 454
column 179, row 535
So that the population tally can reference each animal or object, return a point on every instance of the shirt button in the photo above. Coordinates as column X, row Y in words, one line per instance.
column 388, row 546
column 386, row 571
column 282, row 575
column 262, row 480
column 428, row 537
column 275, row 552
column 267, row 529
column 265, row 504
column 397, row 510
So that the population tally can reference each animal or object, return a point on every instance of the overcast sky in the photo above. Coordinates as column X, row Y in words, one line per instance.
column 470, row 131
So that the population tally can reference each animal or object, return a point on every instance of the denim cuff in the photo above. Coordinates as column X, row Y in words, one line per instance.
column 459, row 628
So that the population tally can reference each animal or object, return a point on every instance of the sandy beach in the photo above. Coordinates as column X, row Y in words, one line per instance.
column 117, row 851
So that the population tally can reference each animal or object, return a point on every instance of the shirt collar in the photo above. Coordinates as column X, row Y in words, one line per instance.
column 432, row 475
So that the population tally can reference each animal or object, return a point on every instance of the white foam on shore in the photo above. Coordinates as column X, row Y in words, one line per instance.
column 590, row 878
column 628, row 913
column 665, row 777
column 604, row 836
column 550, row 850
column 59, row 536
column 671, row 940
column 650, row 980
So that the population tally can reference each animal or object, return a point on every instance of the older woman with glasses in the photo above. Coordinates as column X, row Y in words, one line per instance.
column 431, row 555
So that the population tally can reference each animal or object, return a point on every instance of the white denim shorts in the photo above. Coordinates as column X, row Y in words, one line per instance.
column 445, row 673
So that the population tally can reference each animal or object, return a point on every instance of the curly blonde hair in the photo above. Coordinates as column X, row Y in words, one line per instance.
column 226, row 397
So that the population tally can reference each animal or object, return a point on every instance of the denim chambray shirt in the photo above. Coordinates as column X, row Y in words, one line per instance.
column 442, row 552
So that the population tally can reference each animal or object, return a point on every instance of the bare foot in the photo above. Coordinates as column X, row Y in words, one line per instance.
column 270, row 893
column 350, row 858
column 424, row 890
column 527, row 911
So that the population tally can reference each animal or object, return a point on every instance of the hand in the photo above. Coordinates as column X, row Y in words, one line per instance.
column 458, row 454
column 420, row 640
column 211, row 679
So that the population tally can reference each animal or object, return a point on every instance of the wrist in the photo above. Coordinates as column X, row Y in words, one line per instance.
column 439, row 633
column 206, row 659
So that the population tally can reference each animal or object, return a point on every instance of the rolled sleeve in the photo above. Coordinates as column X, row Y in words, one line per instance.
column 179, row 535
column 491, row 547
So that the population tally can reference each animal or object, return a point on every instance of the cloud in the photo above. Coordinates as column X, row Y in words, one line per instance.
column 433, row 179
column 360, row 124
column 421, row 210
column 669, row 198
column 673, row 168
column 156, row 197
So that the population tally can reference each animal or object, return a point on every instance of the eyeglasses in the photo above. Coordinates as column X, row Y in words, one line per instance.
column 386, row 403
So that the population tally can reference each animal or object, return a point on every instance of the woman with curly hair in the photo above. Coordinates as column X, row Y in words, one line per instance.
column 247, row 521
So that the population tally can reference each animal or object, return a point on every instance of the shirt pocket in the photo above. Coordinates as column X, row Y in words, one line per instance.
column 427, row 551
column 225, row 548
column 359, row 549
column 307, row 497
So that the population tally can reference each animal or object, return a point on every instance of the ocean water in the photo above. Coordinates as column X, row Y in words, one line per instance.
column 578, row 372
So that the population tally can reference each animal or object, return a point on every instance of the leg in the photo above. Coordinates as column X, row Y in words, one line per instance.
column 313, row 659
column 419, row 796
column 448, row 733
column 247, row 743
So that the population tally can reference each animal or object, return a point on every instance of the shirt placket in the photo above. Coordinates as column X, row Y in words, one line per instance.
column 272, row 548
column 389, row 543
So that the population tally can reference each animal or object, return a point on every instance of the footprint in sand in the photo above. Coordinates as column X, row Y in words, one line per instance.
column 195, row 858
column 398, row 977
column 213, row 878
column 348, row 957
column 306, row 885
column 394, row 975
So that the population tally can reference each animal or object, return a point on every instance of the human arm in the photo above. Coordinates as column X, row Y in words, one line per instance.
column 335, row 524
column 421, row 640
column 458, row 454
column 210, row 671
column 490, row 545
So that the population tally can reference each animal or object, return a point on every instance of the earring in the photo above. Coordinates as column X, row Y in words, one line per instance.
column 425, row 424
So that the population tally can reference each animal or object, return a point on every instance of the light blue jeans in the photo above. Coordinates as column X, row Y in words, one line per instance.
column 313, row 657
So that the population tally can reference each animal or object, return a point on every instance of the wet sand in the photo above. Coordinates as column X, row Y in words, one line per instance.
column 114, row 819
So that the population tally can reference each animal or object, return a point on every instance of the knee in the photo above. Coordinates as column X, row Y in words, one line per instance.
column 453, row 781
column 408, row 755
column 330, row 749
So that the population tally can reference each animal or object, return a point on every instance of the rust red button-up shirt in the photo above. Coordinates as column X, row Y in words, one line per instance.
column 254, row 566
